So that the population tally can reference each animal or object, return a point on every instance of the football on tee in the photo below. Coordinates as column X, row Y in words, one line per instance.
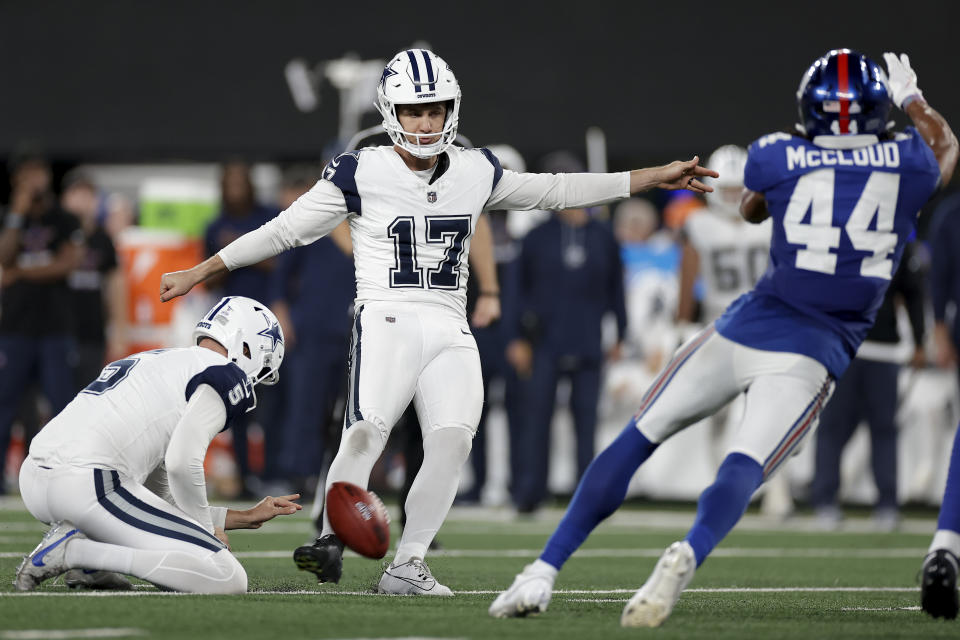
column 359, row 519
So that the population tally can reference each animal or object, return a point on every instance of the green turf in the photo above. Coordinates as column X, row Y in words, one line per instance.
column 483, row 554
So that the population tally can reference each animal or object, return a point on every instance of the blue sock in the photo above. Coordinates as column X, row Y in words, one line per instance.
column 601, row 490
column 723, row 503
column 950, row 507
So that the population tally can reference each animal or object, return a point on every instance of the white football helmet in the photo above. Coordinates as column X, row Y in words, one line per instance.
column 418, row 76
column 729, row 161
column 249, row 332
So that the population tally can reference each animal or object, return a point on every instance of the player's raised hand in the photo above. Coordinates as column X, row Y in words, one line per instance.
column 681, row 174
column 176, row 283
column 902, row 78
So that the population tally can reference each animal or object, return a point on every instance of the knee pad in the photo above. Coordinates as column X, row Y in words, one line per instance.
column 364, row 438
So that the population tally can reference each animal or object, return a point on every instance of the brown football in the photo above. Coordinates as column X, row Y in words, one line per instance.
column 359, row 519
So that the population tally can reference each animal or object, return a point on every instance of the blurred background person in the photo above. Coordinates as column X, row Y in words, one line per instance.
column 97, row 284
column 569, row 276
column 944, row 238
column 240, row 212
column 312, row 292
column 40, row 245
column 720, row 251
column 868, row 392
column 650, row 261
column 500, row 382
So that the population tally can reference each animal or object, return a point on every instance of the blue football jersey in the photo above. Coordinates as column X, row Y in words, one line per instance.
column 841, row 218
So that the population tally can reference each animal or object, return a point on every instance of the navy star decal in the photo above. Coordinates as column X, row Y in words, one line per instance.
column 387, row 72
column 272, row 332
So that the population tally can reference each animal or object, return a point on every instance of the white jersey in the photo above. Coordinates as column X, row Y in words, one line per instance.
column 733, row 256
column 125, row 419
column 411, row 233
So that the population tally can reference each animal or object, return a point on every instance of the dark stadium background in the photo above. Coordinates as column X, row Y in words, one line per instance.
column 142, row 81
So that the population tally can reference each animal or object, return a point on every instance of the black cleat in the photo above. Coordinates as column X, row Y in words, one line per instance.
column 323, row 558
column 938, row 586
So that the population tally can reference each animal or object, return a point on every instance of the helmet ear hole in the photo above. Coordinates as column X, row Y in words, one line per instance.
column 246, row 349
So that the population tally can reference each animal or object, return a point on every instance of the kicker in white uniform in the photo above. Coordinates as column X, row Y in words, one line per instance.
column 412, row 210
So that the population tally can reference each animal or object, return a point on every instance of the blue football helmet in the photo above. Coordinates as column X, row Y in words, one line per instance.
column 844, row 92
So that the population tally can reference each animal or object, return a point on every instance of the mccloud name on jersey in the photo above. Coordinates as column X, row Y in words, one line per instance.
column 886, row 154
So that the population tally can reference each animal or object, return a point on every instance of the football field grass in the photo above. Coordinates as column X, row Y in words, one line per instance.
column 766, row 580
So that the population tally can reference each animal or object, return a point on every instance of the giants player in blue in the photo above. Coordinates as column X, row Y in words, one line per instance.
column 843, row 193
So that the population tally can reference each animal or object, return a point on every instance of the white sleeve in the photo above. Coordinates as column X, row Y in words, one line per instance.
column 557, row 191
column 314, row 214
column 203, row 419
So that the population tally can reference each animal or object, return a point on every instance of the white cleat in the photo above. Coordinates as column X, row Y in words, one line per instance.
column 411, row 578
column 654, row 601
column 48, row 559
column 528, row 595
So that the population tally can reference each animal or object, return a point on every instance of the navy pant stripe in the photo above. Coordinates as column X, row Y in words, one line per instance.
column 209, row 542
column 356, row 369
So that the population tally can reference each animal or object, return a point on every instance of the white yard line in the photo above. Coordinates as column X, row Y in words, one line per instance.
column 57, row 634
column 479, row 592
column 651, row 552
column 880, row 609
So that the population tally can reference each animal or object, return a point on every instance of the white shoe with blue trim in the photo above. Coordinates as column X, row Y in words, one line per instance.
column 48, row 560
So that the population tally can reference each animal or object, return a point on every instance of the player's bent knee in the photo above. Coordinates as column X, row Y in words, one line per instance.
column 229, row 575
column 455, row 441
column 364, row 438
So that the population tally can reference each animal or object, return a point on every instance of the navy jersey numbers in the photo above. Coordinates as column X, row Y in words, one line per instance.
column 869, row 226
column 232, row 385
column 112, row 375
column 449, row 231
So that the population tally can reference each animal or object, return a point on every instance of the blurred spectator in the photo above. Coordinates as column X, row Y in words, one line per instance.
column 569, row 276
column 944, row 237
column 312, row 294
column 98, row 287
column 868, row 391
column 240, row 212
column 40, row 244
column 650, row 261
column 491, row 343
column 120, row 214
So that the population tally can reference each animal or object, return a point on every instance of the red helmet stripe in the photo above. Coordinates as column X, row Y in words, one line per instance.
column 843, row 87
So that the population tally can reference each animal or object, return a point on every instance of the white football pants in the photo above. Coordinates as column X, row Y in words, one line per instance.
column 785, row 393
column 129, row 530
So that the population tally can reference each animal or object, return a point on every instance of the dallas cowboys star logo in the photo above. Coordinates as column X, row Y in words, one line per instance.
column 387, row 72
column 272, row 332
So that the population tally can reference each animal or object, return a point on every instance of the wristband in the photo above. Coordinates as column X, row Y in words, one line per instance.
column 913, row 97
column 13, row 220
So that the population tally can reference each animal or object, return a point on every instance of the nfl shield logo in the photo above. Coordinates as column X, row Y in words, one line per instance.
column 431, row 196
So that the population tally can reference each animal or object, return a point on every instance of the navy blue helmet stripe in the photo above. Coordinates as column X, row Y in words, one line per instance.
column 431, row 79
column 209, row 542
column 222, row 304
column 416, row 70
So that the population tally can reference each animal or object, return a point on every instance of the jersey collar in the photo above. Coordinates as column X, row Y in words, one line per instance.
column 846, row 141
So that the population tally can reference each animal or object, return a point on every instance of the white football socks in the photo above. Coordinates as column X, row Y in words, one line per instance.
column 946, row 539
column 444, row 453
